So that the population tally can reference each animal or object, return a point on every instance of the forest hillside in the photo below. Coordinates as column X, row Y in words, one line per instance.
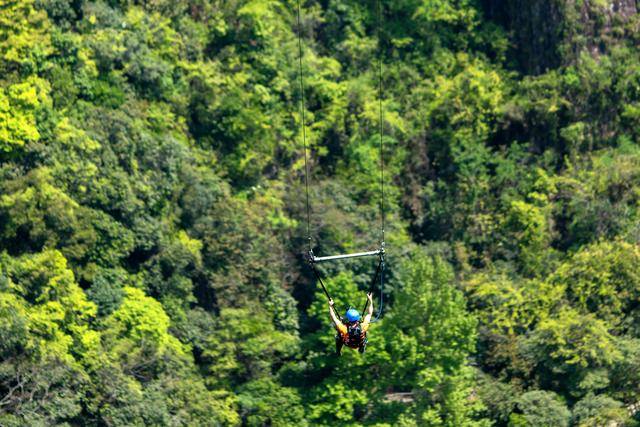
column 153, row 226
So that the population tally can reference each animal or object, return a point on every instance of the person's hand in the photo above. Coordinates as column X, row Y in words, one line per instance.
column 369, row 296
column 330, row 302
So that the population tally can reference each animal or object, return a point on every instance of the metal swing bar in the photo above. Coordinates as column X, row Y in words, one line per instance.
column 314, row 258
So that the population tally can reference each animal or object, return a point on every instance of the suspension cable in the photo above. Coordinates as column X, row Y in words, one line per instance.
column 382, row 213
column 304, row 128
column 381, row 265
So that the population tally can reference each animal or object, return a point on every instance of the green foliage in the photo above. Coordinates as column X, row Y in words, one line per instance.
column 44, row 393
column 25, row 41
column 598, row 410
column 107, row 290
column 508, row 309
column 152, row 212
column 265, row 401
column 47, row 334
column 18, row 104
column 569, row 348
column 245, row 345
column 431, row 336
column 511, row 308
column 602, row 279
column 540, row 408
column 140, row 322
column 58, row 309
column 599, row 200
column 432, row 317
column 499, row 398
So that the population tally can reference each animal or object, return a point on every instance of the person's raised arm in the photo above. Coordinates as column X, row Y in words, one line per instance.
column 367, row 318
column 332, row 313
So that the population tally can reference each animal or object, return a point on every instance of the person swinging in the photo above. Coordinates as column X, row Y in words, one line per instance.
column 353, row 332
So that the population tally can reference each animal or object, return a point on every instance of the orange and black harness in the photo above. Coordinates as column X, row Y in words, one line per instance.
column 353, row 335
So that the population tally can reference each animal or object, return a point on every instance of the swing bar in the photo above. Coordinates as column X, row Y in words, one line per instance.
column 314, row 258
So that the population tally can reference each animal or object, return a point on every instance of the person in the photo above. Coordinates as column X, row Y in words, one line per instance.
column 353, row 332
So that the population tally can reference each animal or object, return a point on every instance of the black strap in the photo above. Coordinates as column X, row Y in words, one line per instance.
column 373, row 283
column 324, row 288
column 315, row 272
column 379, row 273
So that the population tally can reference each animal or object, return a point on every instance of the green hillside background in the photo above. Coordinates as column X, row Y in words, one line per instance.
column 153, row 226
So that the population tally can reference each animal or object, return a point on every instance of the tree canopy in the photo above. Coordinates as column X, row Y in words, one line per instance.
column 153, row 223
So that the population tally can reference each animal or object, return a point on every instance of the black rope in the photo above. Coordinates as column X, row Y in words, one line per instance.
column 381, row 292
column 373, row 283
column 304, row 129
column 379, row 273
column 315, row 272
column 324, row 288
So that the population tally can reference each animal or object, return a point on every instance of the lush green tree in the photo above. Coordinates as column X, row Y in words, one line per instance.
column 499, row 398
column 598, row 410
column 597, row 196
column 508, row 309
column 540, row 408
column 572, row 352
column 602, row 279
column 265, row 401
column 18, row 105
column 431, row 335
column 25, row 40
column 47, row 336
column 245, row 345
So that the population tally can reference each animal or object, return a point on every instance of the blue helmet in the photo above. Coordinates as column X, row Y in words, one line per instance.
column 352, row 315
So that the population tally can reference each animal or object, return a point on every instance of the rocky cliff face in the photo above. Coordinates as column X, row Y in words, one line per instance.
column 544, row 31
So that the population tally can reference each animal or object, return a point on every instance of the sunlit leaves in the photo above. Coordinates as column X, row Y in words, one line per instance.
column 25, row 41
column 508, row 307
column 18, row 106
column 140, row 321
column 569, row 345
column 603, row 279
